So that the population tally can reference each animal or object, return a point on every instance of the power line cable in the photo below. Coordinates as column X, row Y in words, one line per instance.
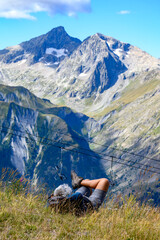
column 145, row 165
column 71, row 150
column 106, row 146
column 101, row 154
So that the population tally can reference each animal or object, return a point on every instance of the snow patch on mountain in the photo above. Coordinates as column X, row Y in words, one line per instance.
column 118, row 52
column 57, row 52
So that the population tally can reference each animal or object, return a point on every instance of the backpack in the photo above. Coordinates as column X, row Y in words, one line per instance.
column 56, row 202
column 77, row 204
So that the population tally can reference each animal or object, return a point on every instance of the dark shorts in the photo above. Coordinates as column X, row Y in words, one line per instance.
column 96, row 198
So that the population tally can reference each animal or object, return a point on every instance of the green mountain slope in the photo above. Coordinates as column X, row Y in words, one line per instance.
column 131, row 133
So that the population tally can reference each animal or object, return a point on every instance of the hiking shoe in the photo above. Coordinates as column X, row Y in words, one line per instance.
column 76, row 181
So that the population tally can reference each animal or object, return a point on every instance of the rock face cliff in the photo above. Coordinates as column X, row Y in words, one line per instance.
column 43, row 140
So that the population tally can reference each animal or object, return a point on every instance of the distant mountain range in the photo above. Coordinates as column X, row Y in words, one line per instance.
column 113, row 85
column 74, row 73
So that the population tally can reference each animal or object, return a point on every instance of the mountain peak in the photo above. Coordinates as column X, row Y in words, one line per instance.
column 50, row 48
column 102, row 39
column 57, row 30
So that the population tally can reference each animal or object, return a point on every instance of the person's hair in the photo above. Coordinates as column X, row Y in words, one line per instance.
column 63, row 190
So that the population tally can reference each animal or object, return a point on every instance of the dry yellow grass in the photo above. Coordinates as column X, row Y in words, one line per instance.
column 27, row 217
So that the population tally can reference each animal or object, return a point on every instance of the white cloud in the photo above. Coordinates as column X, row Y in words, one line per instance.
column 25, row 9
column 123, row 12
column 16, row 14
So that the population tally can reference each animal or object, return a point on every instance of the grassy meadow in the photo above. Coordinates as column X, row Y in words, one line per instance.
column 25, row 216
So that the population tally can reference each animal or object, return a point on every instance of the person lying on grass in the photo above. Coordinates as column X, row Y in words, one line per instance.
column 83, row 200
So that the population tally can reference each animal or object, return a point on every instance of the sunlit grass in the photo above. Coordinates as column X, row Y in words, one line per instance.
column 25, row 216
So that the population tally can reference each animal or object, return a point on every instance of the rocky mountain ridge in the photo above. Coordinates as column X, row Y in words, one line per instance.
column 86, row 76
column 50, row 49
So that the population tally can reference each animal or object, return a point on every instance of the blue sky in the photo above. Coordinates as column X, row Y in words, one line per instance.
column 134, row 21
